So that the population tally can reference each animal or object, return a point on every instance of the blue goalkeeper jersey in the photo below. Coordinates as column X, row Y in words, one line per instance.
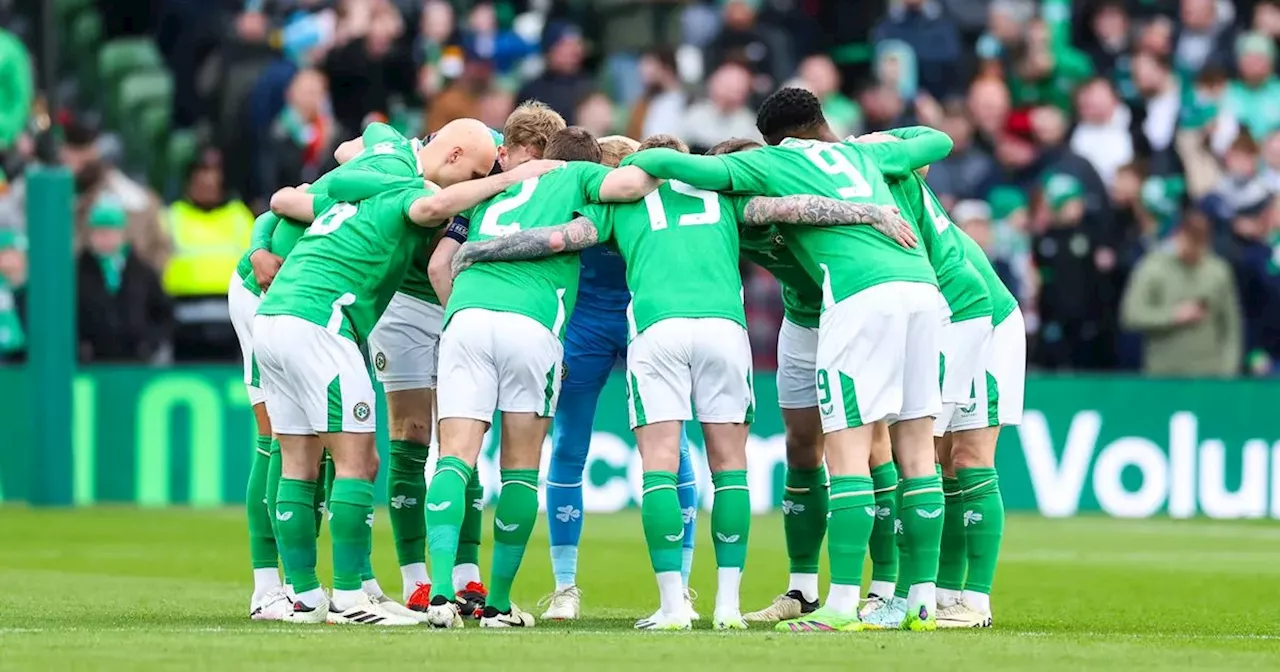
column 602, row 282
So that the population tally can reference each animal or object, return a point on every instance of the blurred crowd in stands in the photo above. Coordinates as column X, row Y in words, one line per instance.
column 1118, row 160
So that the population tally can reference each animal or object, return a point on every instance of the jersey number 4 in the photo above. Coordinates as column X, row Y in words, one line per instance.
column 710, row 213
column 828, row 159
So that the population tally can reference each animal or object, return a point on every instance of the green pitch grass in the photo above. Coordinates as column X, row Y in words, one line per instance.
column 124, row 589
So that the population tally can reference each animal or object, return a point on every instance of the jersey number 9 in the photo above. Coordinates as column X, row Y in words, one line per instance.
column 832, row 162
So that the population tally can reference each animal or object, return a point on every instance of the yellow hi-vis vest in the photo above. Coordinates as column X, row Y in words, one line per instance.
column 207, row 245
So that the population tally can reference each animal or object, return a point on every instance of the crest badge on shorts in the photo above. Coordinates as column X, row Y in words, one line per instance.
column 379, row 361
column 360, row 411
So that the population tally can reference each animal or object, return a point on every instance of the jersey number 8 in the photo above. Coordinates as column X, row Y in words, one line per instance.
column 331, row 219
column 832, row 162
column 658, row 215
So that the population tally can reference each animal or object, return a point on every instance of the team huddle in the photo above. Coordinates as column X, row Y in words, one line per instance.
column 484, row 272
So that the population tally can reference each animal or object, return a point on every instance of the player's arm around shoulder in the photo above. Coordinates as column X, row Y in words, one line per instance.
column 293, row 203
column 623, row 185
column 803, row 210
column 435, row 209
column 577, row 235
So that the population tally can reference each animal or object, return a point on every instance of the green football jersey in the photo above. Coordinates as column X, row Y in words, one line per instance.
column 345, row 269
column 960, row 284
column 849, row 259
column 680, row 245
column 1003, row 302
column 801, row 293
column 543, row 289
column 386, row 151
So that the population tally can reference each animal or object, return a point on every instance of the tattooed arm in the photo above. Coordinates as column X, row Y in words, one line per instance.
column 820, row 211
column 578, row 234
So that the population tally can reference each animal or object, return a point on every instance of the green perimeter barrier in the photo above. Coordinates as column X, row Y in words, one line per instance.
column 1128, row 447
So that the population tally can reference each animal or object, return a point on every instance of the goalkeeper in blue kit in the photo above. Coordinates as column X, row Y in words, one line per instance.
column 595, row 340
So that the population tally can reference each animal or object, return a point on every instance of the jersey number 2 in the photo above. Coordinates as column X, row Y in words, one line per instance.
column 658, row 215
column 489, row 226
column 832, row 162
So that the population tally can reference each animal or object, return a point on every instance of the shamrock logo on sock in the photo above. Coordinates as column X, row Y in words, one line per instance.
column 438, row 506
column 689, row 515
column 505, row 527
column 730, row 539
column 929, row 514
column 284, row 516
column 567, row 513
column 368, row 520
column 789, row 507
column 402, row 502
column 897, row 526
column 869, row 510
column 477, row 504
column 972, row 518
column 674, row 537
column 883, row 512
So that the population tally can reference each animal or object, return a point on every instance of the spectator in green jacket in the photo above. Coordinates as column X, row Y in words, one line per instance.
column 1183, row 300
column 15, row 88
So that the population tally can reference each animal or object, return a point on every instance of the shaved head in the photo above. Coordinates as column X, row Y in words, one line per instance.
column 462, row 150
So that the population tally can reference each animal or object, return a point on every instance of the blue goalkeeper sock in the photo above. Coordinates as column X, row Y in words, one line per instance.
column 570, row 439
column 687, row 491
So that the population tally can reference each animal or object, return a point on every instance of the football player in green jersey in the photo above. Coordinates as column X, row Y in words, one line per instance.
column 501, row 351
column 321, row 307
column 877, row 351
column 975, row 515
column 963, row 341
column 273, row 239
column 688, row 349
column 404, row 348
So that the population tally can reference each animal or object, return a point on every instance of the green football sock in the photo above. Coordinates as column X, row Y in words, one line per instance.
column 406, row 491
column 921, row 513
column 983, row 525
column 513, row 522
column 901, row 588
column 849, row 529
column 295, row 532
column 262, row 538
column 274, row 464
column 472, row 523
column 731, row 518
column 952, row 563
column 884, row 543
column 446, row 506
column 324, row 493
column 663, row 523
column 351, row 503
column 804, row 520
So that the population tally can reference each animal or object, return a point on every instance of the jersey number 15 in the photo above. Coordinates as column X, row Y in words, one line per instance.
column 710, row 213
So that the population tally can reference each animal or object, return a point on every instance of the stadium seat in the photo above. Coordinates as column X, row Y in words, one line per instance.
column 120, row 58
column 68, row 8
column 82, row 45
column 181, row 150
column 143, row 98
